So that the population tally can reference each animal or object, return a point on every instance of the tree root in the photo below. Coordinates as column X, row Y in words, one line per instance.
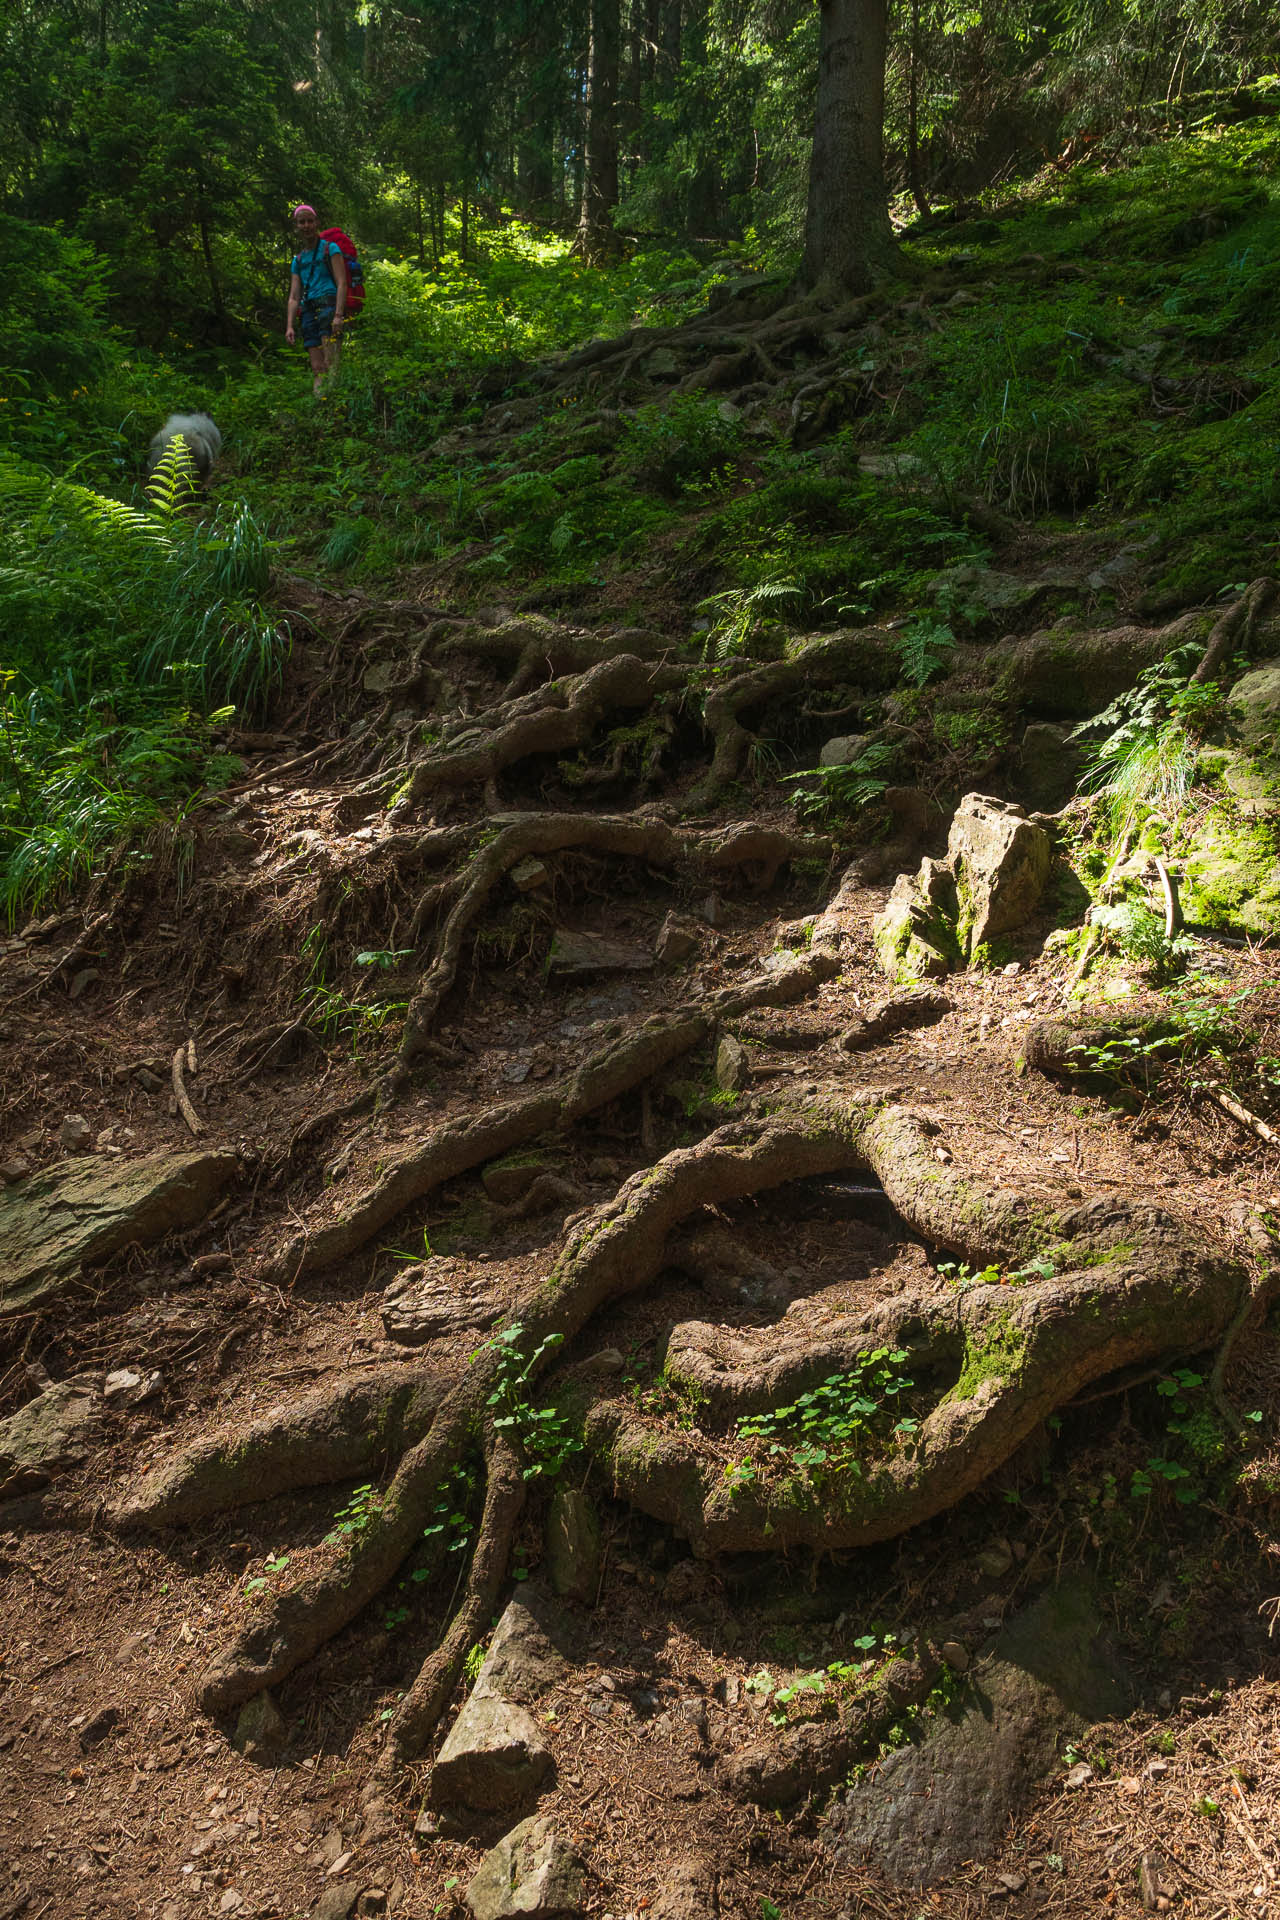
column 543, row 721
column 761, row 851
column 1133, row 1285
column 418, row 1712
column 1234, row 628
column 613, row 1070
column 334, row 1433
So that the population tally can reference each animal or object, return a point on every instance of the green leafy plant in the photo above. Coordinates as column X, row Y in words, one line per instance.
column 734, row 618
column 924, row 648
column 824, row 1427
column 844, row 791
column 543, row 1435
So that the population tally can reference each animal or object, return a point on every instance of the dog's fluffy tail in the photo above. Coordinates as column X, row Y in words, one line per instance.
column 201, row 435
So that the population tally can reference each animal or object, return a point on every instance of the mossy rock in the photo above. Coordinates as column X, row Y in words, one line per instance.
column 1231, row 875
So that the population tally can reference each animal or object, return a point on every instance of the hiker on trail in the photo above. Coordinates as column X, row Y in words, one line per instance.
column 317, row 290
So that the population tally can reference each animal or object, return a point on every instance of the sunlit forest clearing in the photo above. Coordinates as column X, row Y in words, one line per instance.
column 639, row 898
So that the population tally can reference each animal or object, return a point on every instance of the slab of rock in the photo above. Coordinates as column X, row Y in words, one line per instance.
column 48, row 1435
column 573, row 1545
column 733, row 1069
column 58, row 1221
column 843, row 749
column 531, row 1651
column 575, row 954
column 1253, row 714
column 991, row 881
column 1001, row 862
column 1051, row 765
column 439, row 1296
column 494, row 1758
column 927, row 1808
column 532, row 1872
column 676, row 940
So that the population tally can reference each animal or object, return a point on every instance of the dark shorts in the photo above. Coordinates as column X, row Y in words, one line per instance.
column 317, row 325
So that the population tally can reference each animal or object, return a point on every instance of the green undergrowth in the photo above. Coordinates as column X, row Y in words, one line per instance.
column 1092, row 360
column 128, row 633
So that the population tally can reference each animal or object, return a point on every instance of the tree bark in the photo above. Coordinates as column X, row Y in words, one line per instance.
column 600, row 171
column 849, row 242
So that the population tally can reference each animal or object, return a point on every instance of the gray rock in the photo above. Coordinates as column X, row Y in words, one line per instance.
column 733, row 1069
column 573, row 1545
column 575, row 954
column 843, row 750
column 676, row 940
column 1051, row 766
column 529, row 874
column 48, row 1435
column 441, row 1295
column 381, row 677
column 531, row 1650
column 532, row 1872
column 929, row 1807
column 75, row 1133
column 494, row 1758
column 337, row 1901
column 661, row 364
column 58, row 1221
column 991, row 881
column 1253, row 714
column 506, row 1181
column 1001, row 862
column 260, row 1731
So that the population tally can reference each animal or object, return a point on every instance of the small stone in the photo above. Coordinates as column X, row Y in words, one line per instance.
column 676, row 941
column 85, row 978
column 75, row 1133
column 608, row 1360
column 372, row 1900
column 121, row 1384
column 231, row 1901
column 995, row 1560
column 343, row 1861
column 713, row 911
column 14, row 1169
column 528, row 874
column 260, row 1731
column 148, row 1081
column 843, row 750
column 573, row 1545
column 956, row 1656
column 733, row 1070
column 336, row 1902
column 533, row 1873
column 94, row 1731
column 1079, row 1776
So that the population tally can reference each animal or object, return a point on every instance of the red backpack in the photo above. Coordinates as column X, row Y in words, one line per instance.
column 355, row 272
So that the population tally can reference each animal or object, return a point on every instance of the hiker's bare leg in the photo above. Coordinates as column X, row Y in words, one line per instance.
column 319, row 358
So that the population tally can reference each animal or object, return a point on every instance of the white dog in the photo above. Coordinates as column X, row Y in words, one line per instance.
column 203, row 440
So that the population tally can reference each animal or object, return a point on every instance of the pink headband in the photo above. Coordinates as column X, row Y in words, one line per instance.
column 302, row 209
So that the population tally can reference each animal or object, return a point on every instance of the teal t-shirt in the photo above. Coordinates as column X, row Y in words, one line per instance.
column 316, row 275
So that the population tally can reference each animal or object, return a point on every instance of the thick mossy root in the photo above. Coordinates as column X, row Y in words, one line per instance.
column 1127, row 1285
column 614, row 1069
column 331, row 1434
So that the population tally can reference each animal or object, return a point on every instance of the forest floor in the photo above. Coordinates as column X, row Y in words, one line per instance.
column 119, row 1797
column 522, row 791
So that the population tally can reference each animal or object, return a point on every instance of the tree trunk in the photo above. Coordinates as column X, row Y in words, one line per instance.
column 913, row 116
column 848, row 242
column 600, row 147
